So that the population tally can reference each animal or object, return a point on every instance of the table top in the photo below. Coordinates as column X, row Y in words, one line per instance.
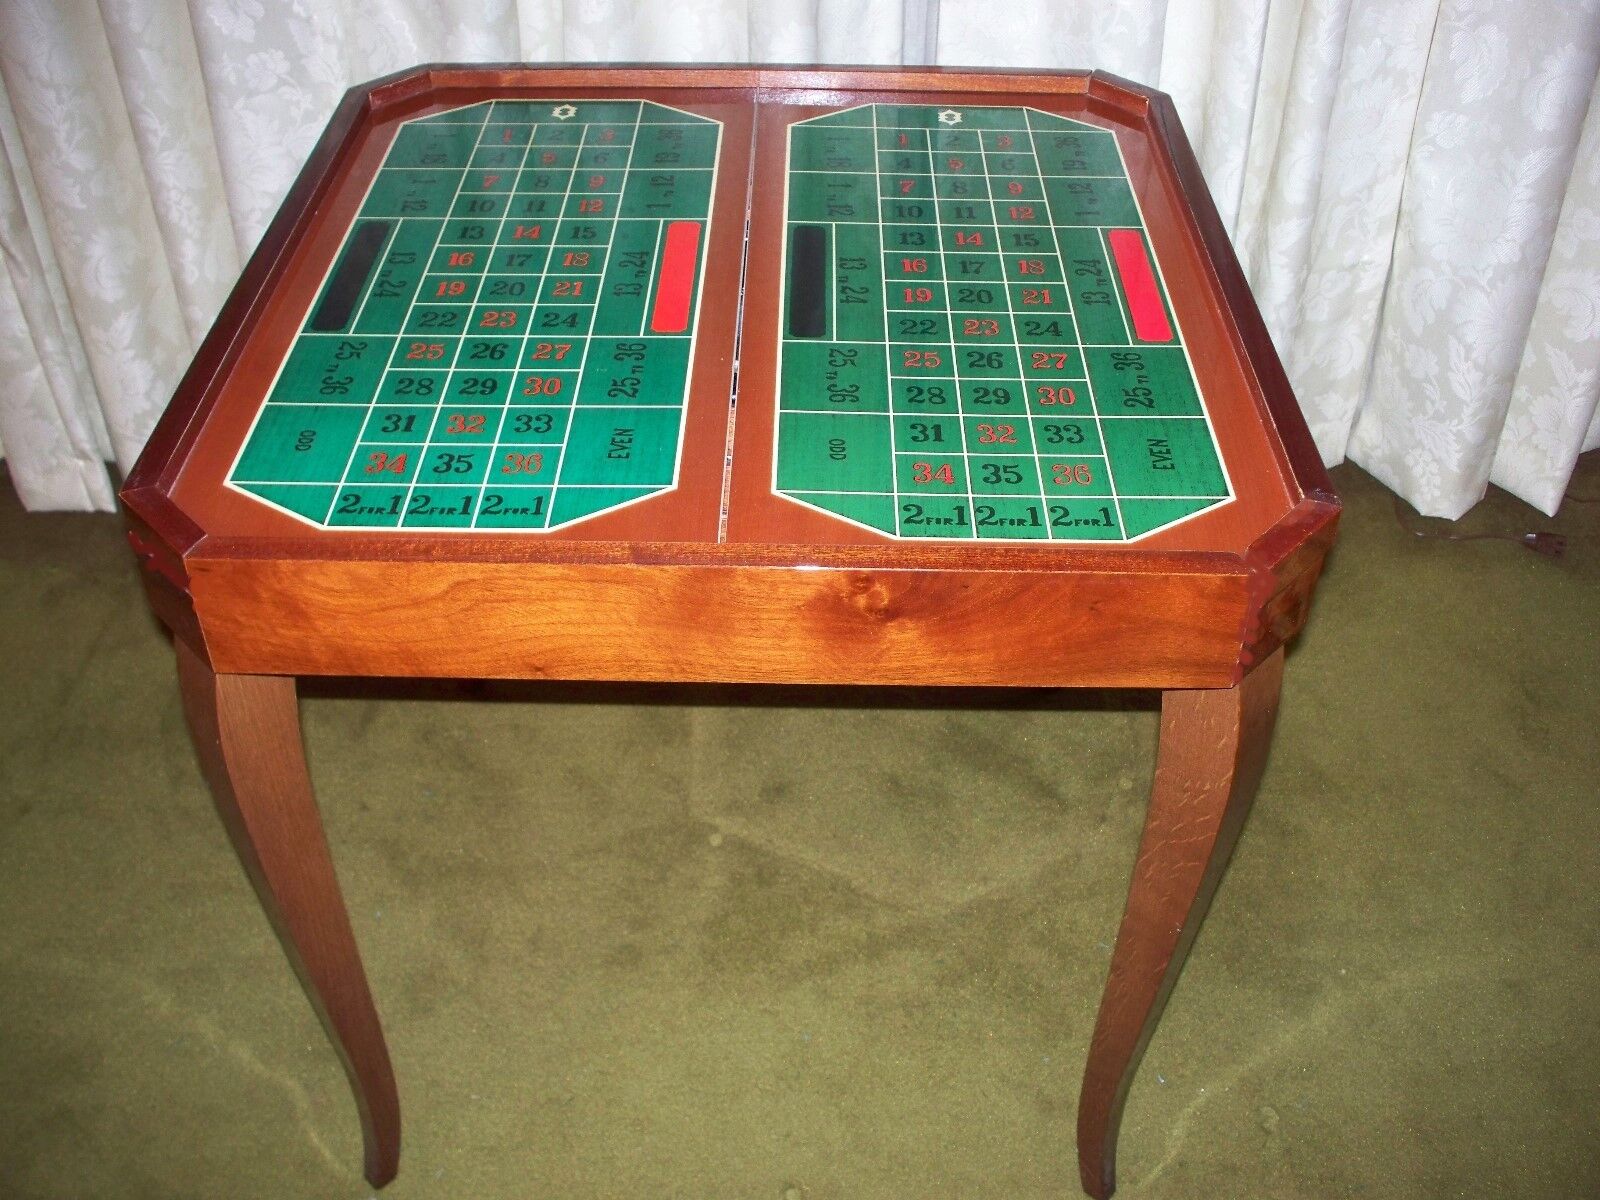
column 886, row 339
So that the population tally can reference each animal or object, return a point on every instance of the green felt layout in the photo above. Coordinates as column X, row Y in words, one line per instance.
column 504, row 340
column 976, row 341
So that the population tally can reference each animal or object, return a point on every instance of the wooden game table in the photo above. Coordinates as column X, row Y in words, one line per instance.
column 927, row 377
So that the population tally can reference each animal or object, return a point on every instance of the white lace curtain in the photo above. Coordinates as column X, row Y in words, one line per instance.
column 1413, row 186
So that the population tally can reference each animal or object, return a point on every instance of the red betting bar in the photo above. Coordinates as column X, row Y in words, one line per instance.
column 675, row 284
column 1139, row 286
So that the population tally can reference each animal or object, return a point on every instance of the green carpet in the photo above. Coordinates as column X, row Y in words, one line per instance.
column 815, row 945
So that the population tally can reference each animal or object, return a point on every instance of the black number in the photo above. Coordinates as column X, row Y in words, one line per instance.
column 983, row 360
column 1063, row 435
column 452, row 464
column 532, row 423
column 480, row 385
column 991, row 395
column 397, row 423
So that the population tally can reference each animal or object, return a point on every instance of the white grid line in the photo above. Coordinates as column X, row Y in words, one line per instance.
column 343, row 483
column 1072, row 311
column 400, row 335
column 1096, row 416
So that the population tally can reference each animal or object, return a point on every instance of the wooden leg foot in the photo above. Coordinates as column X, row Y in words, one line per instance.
column 246, row 731
column 1213, row 746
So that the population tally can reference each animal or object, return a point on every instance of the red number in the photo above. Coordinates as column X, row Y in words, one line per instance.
column 596, row 182
column 906, row 185
column 969, row 239
column 464, row 423
column 555, row 350
column 608, row 135
column 425, row 350
column 1045, row 360
column 926, row 359
column 922, row 472
column 547, row 158
column 1021, row 212
column 1030, row 266
column 567, row 287
column 379, row 462
column 1014, row 188
column 919, row 295
column 505, row 135
column 490, row 180
column 1067, row 474
column 1036, row 296
column 450, row 287
column 522, row 464
column 989, row 435
column 530, row 233
column 904, row 141
column 463, row 258
column 591, row 206
column 955, row 164
column 500, row 319
column 1056, row 395
column 575, row 258
column 541, row 385
column 1003, row 142
column 913, row 266
column 979, row 327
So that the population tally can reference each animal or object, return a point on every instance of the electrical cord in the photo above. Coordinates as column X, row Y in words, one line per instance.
column 1551, row 545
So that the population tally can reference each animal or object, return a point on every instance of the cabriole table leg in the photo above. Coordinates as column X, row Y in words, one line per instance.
column 246, row 731
column 1213, row 746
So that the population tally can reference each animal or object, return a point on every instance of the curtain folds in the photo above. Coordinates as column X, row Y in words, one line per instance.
column 1413, row 187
